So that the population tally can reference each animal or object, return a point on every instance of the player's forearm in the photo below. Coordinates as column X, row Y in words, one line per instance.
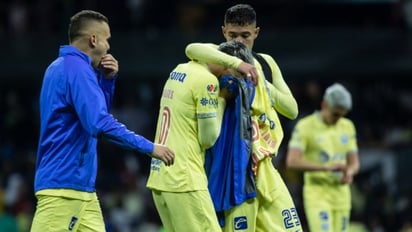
column 285, row 103
column 294, row 160
column 209, row 53
column 304, row 165
column 353, row 166
column 208, row 131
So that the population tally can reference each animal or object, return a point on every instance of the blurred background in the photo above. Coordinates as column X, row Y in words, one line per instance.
column 364, row 44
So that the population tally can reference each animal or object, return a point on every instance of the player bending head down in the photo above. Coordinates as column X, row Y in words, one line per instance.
column 237, row 49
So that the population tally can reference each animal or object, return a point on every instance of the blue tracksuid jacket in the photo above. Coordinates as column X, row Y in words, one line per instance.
column 228, row 162
column 74, row 112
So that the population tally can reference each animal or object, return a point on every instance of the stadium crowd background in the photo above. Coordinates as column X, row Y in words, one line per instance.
column 365, row 44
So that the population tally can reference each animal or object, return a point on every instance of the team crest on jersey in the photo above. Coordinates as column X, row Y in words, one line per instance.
column 211, row 88
column 344, row 139
column 240, row 223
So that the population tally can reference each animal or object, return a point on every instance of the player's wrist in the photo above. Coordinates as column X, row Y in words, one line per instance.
column 324, row 167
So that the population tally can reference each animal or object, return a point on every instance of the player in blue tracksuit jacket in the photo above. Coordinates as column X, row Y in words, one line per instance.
column 74, row 105
column 75, row 99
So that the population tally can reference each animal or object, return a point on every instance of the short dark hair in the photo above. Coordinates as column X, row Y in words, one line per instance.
column 80, row 20
column 240, row 14
column 238, row 49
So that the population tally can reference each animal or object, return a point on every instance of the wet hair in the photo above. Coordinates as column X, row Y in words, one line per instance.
column 238, row 49
column 240, row 14
column 80, row 20
column 337, row 95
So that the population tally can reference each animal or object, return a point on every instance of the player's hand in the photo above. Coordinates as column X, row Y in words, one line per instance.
column 164, row 154
column 109, row 66
column 347, row 177
column 249, row 71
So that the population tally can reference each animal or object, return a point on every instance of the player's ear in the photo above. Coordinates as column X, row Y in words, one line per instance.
column 93, row 40
column 324, row 104
column 257, row 30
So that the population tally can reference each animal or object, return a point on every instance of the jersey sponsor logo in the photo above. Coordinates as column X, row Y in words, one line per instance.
column 339, row 157
column 177, row 76
column 212, row 88
column 208, row 101
column 168, row 93
column 72, row 223
column 323, row 157
column 155, row 165
column 240, row 223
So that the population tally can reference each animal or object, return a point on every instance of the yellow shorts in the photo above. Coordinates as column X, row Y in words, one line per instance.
column 54, row 213
column 327, row 220
column 323, row 212
column 187, row 211
column 272, row 210
column 242, row 218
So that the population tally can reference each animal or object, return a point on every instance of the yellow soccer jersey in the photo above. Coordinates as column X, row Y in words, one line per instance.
column 268, row 131
column 190, row 93
column 325, row 144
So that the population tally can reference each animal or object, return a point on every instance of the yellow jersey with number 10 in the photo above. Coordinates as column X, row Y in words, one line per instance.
column 190, row 93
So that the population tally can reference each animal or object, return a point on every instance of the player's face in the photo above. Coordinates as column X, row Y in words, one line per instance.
column 245, row 34
column 103, row 39
column 334, row 114
column 100, row 41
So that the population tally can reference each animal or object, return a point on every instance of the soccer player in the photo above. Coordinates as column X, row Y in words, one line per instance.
column 75, row 99
column 324, row 146
column 273, row 209
column 189, row 122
